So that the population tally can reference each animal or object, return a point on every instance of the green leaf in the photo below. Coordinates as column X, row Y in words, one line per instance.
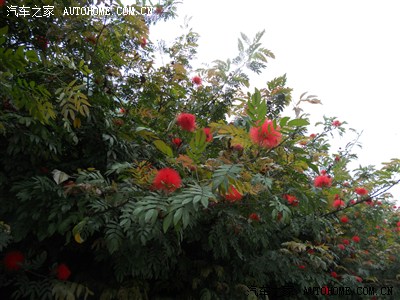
column 283, row 121
column 164, row 148
column 188, row 200
column 178, row 216
column 262, row 111
column 197, row 145
column 3, row 30
column 200, row 138
column 113, row 237
column 185, row 218
column 257, row 108
column 146, row 132
column 151, row 216
column 313, row 167
column 298, row 122
column 245, row 38
column 197, row 198
column 32, row 56
column 205, row 294
column 167, row 222
column 252, row 296
column 222, row 175
column 204, row 202
column 240, row 45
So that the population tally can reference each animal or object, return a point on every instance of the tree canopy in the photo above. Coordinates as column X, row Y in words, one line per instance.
column 121, row 178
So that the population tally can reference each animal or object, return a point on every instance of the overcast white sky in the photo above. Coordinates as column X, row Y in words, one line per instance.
column 345, row 52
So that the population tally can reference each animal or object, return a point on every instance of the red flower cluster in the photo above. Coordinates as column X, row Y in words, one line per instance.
column 334, row 274
column 291, row 199
column 167, row 180
column 338, row 203
column 344, row 219
column 336, row 123
column 197, row 80
column 356, row 239
column 254, row 217
column 63, row 272
column 208, row 133
column 346, row 242
column 177, row 142
column 369, row 202
column 186, row 121
column 13, row 260
column 361, row 191
column 266, row 135
column 323, row 180
column 341, row 247
column 233, row 194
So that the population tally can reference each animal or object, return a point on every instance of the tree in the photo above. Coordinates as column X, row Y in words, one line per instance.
column 123, row 180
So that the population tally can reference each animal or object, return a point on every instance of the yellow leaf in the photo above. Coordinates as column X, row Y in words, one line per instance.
column 186, row 161
column 143, row 174
column 238, row 135
column 373, row 279
column 300, row 166
column 78, row 238
column 77, row 122
column 179, row 69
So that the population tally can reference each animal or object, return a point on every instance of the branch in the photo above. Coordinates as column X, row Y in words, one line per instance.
column 385, row 188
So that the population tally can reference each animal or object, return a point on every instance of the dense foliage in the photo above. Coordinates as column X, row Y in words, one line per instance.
column 120, row 177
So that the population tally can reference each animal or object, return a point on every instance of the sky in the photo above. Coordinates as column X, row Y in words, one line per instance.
column 345, row 52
